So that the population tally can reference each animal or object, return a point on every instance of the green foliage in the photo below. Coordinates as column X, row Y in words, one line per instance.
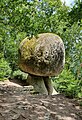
column 11, row 49
column 5, row 70
column 73, row 44
column 19, row 75
column 67, row 84
column 76, row 12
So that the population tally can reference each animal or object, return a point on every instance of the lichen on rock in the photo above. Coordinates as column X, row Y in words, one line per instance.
column 42, row 56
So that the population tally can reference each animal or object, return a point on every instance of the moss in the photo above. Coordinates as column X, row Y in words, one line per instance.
column 28, row 48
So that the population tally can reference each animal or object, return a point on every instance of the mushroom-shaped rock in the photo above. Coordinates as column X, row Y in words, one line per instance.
column 41, row 57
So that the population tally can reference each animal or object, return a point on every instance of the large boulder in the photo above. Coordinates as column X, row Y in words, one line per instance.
column 43, row 55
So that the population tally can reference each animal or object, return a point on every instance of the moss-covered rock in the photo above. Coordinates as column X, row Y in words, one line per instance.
column 42, row 56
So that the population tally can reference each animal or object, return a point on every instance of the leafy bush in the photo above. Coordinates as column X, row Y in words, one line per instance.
column 5, row 70
column 20, row 75
column 68, row 85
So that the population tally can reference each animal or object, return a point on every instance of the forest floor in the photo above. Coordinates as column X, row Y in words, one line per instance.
column 17, row 102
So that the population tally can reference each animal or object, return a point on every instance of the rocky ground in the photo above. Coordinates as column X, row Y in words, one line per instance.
column 17, row 102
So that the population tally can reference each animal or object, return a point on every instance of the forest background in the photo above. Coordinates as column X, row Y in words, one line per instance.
column 21, row 18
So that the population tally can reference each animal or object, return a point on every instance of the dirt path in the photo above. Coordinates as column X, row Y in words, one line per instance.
column 18, row 103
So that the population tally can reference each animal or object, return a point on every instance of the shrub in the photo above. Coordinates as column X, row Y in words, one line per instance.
column 20, row 75
column 67, row 84
column 5, row 70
